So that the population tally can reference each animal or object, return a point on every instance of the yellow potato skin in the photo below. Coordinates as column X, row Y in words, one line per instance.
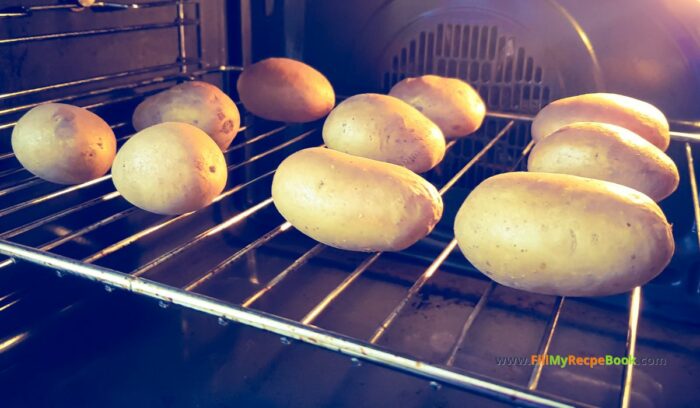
column 638, row 116
column 563, row 235
column 452, row 104
column 353, row 203
column 606, row 152
column 170, row 168
column 285, row 90
column 384, row 128
column 64, row 144
column 197, row 103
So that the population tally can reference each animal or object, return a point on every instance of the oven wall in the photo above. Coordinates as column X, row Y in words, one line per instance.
column 643, row 48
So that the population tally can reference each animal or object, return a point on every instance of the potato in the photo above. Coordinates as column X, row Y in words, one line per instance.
column 452, row 104
column 63, row 144
column 354, row 203
column 640, row 117
column 285, row 90
column 563, row 235
column 170, row 168
column 606, row 152
column 197, row 103
column 384, row 128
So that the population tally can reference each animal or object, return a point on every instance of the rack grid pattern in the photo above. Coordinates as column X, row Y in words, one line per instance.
column 17, row 182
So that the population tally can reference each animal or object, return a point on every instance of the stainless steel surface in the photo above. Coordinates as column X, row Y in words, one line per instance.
column 546, row 342
column 631, row 346
column 693, row 186
column 181, row 41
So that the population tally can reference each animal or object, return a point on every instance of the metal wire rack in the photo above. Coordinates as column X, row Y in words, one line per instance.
column 28, row 204
column 302, row 330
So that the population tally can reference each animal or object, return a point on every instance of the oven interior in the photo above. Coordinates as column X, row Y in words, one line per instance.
column 429, row 328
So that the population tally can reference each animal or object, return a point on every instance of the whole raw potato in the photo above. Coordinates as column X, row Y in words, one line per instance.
column 285, row 90
column 384, row 128
column 606, row 152
column 198, row 103
column 638, row 116
column 449, row 102
column 563, row 235
column 170, row 168
column 353, row 203
column 64, row 144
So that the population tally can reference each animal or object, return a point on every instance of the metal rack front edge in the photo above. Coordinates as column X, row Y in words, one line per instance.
column 275, row 324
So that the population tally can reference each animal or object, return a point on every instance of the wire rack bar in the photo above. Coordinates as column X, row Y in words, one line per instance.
column 100, row 31
column 675, row 135
column 25, row 11
column 284, row 327
column 693, row 187
column 26, row 183
column 16, row 185
column 476, row 158
column 11, row 172
column 546, row 342
column 54, row 216
column 14, row 208
column 202, row 236
column 108, row 102
column 319, row 308
column 631, row 346
column 168, row 221
column 265, row 238
column 480, row 305
column 181, row 41
column 102, row 91
column 77, row 234
column 420, row 282
column 274, row 149
column 298, row 263
column 99, row 78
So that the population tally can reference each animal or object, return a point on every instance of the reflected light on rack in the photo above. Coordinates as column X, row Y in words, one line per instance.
column 12, row 341
column 9, row 305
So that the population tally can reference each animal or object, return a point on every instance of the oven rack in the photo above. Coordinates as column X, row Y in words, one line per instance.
column 152, row 79
column 302, row 330
column 27, row 11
